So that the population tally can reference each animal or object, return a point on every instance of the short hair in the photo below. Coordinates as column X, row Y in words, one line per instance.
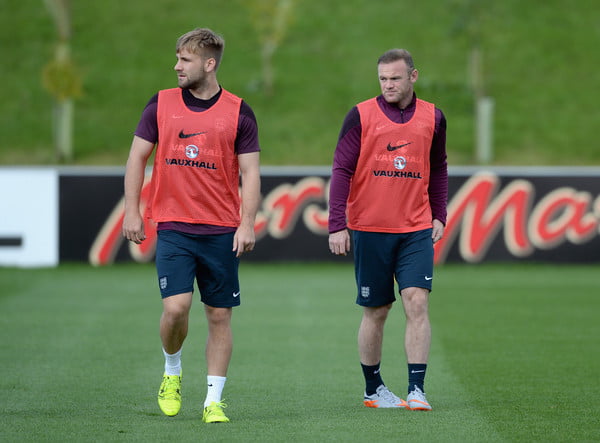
column 204, row 42
column 393, row 55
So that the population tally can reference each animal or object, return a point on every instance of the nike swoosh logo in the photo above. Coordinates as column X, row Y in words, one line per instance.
column 416, row 372
column 235, row 294
column 393, row 148
column 428, row 278
column 184, row 135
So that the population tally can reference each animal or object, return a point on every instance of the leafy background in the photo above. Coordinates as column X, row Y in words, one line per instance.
column 539, row 62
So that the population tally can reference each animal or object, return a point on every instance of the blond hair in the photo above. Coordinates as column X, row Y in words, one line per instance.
column 204, row 42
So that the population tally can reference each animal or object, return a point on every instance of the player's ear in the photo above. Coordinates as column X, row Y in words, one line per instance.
column 210, row 64
column 414, row 75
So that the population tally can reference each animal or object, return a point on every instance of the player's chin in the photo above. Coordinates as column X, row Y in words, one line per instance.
column 391, row 98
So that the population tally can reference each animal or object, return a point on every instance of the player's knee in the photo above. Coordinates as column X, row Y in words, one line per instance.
column 218, row 316
column 415, row 295
column 377, row 314
column 176, row 307
column 415, row 301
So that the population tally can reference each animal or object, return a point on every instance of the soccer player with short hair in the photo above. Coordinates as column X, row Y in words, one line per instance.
column 205, row 137
column 389, row 186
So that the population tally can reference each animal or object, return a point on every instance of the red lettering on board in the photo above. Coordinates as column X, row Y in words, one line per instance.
column 562, row 215
column 286, row 202
column 477, row 217
column 476, row 214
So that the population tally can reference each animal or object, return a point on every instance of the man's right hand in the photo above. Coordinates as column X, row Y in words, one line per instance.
column 133, row 228
column 339, row 242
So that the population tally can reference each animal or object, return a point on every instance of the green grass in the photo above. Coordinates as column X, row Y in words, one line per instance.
column 514, row 357
column 538, row 60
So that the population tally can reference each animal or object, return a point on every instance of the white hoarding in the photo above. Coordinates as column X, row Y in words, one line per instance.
column 28, row 217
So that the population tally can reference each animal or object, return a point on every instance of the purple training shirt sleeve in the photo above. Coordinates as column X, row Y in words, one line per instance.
column 345, row 159
column 246, row 140
column 147, row 127
column 438, row 177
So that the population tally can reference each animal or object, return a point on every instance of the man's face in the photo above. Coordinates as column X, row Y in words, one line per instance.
column 396, row 82
column 190, row 70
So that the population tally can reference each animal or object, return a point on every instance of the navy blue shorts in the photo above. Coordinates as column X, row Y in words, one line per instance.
column 381, row 257
column 182, row 258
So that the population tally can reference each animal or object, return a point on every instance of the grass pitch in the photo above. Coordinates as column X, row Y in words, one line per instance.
column 514, row 357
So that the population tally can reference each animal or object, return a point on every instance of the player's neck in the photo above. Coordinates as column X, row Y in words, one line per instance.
column 206, row 91
column 405, row 101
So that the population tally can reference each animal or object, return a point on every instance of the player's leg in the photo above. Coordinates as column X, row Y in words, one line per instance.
column 220, row 291
column 417, row 339
column 173, row 331
column 414, row 274
column 174, row 321
column 417, row 342
column 370, row 334
column 374, row 278
column 219, row 346
column 370, row 343
column 176, row 270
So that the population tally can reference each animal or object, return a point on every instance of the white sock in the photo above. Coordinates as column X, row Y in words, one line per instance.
column 172, row 363
column 215, row 389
